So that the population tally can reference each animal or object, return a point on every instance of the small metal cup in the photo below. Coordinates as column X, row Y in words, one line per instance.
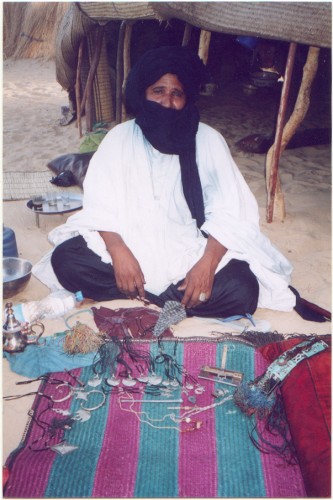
column 37, row 202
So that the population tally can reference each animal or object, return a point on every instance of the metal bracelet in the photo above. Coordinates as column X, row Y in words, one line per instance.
column 98, row 406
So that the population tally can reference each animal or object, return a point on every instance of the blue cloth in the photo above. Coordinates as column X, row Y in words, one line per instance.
column 37, row 360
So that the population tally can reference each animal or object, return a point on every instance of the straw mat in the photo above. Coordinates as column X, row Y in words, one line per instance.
column 23, row 185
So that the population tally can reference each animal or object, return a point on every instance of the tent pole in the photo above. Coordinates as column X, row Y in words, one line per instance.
column 78, row 88
column 272, row 169
column 303, row 98
column 120, row 70
column 87, row 94
column 127, row 59
column 204, row 45
column 187, row 34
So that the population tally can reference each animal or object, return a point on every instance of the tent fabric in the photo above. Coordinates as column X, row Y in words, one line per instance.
column 307, row 23
column 73, row 28
column 103, row 12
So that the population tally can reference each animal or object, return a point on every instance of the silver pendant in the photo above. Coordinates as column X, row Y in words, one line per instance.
column 82, row 395
column 154, row 379
column 129, row 382
column 64, row 448
column 95, row 382
column 61, row 412
column 82, row 415
column 143, row 379
column 113, row 381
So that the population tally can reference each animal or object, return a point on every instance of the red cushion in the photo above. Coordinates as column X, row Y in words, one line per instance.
column 306, row 395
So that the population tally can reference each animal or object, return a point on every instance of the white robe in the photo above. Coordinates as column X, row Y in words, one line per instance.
column 134, row 190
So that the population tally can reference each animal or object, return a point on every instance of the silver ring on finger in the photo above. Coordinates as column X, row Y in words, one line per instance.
column 202, row 297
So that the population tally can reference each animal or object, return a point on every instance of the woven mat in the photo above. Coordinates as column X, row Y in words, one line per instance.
column 137, row 450
column 23, row 185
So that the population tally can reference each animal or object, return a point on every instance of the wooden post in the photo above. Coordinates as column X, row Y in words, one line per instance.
column 120, row 70
column 187, row 34
column 127, row 47
column 127, row 60
column 301, row 108
column 273, row 155
column 204, row 45
column 87, row 94
column 78, row 88
column 303, row 98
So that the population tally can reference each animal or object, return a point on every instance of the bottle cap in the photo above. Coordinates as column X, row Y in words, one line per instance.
column 79, row 296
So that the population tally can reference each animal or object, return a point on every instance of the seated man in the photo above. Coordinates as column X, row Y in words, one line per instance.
column 166, row 213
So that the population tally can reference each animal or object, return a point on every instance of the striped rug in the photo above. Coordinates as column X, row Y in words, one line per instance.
column 142, row 453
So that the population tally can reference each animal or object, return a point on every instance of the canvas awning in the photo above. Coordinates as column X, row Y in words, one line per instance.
column 308, row 23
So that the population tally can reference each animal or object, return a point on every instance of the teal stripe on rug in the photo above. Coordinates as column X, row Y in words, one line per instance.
column 157, row 474
column 81, row 464
column 239, row 464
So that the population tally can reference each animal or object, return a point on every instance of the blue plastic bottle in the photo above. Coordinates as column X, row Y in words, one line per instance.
column 9, row 246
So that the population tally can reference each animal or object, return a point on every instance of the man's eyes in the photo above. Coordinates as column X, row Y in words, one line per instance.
column 175, row 93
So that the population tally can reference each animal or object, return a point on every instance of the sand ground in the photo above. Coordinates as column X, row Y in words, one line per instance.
column 32, row 101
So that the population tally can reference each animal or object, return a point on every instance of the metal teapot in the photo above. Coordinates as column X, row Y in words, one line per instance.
column 16, row 335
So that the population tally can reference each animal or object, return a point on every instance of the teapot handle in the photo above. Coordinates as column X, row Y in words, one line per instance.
column 36, row 336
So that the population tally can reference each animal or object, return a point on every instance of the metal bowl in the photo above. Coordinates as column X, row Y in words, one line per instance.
column 16, row 274
column 264, row 78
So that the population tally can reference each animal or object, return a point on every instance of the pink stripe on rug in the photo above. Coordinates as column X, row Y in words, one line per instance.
column 281, row 479
column 117, row 466
column 197, row 450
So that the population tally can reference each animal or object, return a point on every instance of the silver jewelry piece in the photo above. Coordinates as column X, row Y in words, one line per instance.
column 82, row 395
column 97, row 406
column 64, row 448
column 129, row 382
column 152, row 401
column 65, row 397
column 113, row 381
column 82, row 415
column 154, row 379
column 202, row 297
column 95, row 381
column 61, row 412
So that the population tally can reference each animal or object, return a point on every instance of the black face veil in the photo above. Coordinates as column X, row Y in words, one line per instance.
column 168, row 130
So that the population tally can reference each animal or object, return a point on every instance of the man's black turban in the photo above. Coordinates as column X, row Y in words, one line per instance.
column 155, row 63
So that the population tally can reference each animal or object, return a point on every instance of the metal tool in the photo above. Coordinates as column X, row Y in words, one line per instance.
column 221, row 375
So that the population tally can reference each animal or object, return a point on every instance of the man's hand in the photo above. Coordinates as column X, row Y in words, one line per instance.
column 199, row 280
column 129, row 276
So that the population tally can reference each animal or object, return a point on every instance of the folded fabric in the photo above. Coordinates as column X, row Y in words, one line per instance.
column 308, row 310
column 37, row 360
